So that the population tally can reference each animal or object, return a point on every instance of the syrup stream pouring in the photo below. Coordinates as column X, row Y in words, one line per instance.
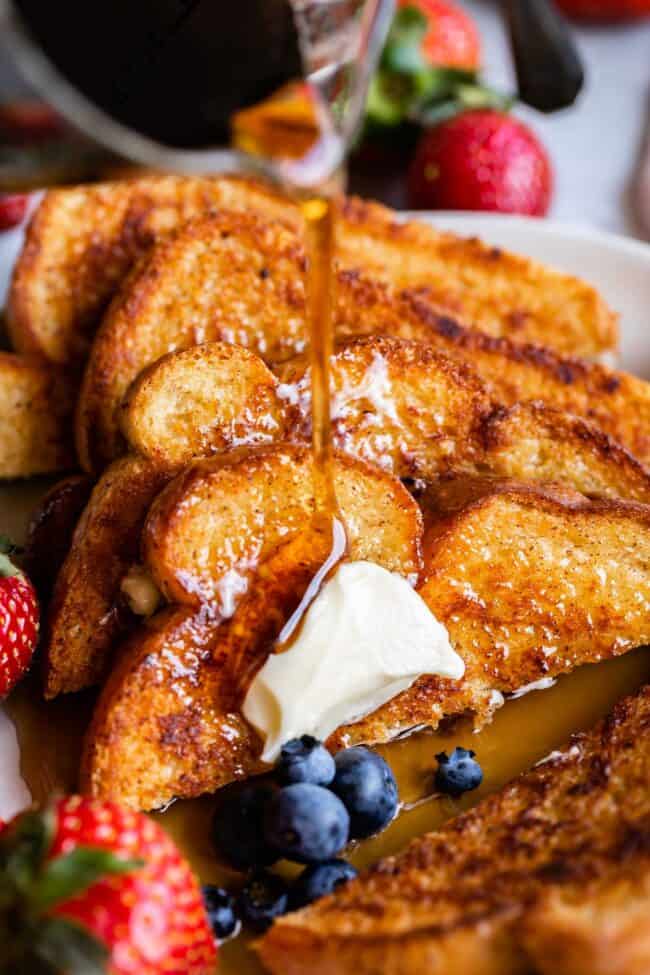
column 236, row 64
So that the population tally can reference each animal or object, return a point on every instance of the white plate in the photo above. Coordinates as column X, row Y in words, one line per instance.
column 618, row 266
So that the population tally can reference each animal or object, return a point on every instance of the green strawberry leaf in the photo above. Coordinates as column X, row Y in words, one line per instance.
column 408, row 89
column 67, row 947
column 23, row 847
column 74, row 872
column 461, row 98
column 403, row 49
column 388, row 100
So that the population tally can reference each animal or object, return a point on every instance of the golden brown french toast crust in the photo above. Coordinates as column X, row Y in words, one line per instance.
column 36, row 417
column 462, row 895
column 522, row 577
column 83, row 240
column 236, row 278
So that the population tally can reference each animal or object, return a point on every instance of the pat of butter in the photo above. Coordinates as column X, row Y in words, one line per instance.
column 366, row 637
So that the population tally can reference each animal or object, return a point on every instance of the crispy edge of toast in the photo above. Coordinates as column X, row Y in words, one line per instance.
column 50, row 530
column 209, row 529
column 167, row 732
column 425, row 703
column 501, row 293
column 229, row 277
column 86, row 616
column 127, row 341
column 168, row 721
column 459, row 895
column 534, row 442
column 200, row 401
column 83, row 240
column 36, row 407
column 515, row 613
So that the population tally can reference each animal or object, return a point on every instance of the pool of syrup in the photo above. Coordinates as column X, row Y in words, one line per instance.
column 523, row 732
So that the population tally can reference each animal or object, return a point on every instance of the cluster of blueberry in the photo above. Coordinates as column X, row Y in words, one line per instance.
column 306, row 811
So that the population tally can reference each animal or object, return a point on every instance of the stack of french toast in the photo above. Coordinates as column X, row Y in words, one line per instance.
column 483, row 451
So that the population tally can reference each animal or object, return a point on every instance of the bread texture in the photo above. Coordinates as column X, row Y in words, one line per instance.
column 87, row 616
column 248, row 504
column 518, row 575
column 36, row 408
column 465, row 899
column 401, row 405
column 240, row 279
column 217, row 521
column 83, row 240
column 201, row 401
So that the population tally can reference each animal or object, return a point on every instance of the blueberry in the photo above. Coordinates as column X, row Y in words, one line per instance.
column 237, row 825
column 305, row 760
column 220, row 908
column 264, row 898
column 458, row 772
column 367, row 787
column 306, row 823
column 320, row 879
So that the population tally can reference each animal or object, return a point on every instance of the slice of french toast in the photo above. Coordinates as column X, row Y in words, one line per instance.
column 464, row 899
column 250, row 503
column 237, row 278
column 200, row 401
column 522, row 579
column 86, row 615
column 36, row 409
column 534, row 442
column 500, row 293
column 205, row 742
column 83, row 240
column 208, row 531
column 530, row 581
column 595, row 927
column 400, row 405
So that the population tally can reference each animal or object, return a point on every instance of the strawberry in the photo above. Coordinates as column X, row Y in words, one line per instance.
column 26, row 121
column 605, row 10
column 451, row 39
column 90, row 887
column 13, row 207
column 428, row 69
column 482, row 160
column 18, row 620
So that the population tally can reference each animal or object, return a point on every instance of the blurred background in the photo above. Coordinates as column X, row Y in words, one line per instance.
column 443, row 130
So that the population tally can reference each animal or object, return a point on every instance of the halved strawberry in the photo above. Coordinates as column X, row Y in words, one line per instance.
column 19, row 620
column 90, row 887
column 13, row 208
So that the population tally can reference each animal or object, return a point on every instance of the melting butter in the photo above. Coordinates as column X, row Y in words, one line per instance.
column 366, row 638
